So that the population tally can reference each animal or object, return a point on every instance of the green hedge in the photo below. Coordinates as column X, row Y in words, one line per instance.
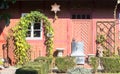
column 33, row 68
column 111, row 64
column 39, row 66
column 48, row 60
column 64, row 63
column 94, row 63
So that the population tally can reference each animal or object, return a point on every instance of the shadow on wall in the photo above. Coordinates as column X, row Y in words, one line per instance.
column 3, row 39
column 55, row 53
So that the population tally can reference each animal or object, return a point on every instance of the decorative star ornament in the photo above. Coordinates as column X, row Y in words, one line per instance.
column 55, row 8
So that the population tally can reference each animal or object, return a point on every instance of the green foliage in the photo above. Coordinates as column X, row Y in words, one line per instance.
column 106, row 53
column 79, row 70
column 1, row 62
column 94, row 63
column 20, row 30
column 5, row 17
column 4, row 5
column 111, row 64
column 64, row 63
column 38, row 66
column 13, row 1
column 48, row 60
column 100, row 39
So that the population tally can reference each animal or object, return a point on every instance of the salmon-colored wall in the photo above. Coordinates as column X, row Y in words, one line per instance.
column 63, row 26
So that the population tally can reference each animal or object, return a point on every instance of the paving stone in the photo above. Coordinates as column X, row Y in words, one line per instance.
column 10, row 70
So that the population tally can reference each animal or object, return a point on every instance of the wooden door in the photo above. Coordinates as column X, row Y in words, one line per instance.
column 82, row 31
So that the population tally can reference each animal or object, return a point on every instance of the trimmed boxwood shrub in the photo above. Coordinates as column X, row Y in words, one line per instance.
column 94, row 61
column 38, row 66
column 44, row 59
column 64, row 63
column 33, row 68
column 111, row 64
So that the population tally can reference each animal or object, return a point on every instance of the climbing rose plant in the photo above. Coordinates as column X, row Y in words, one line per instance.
column 22, row 48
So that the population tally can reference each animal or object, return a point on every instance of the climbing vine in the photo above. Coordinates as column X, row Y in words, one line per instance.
column 20, row 31
column 100, row 39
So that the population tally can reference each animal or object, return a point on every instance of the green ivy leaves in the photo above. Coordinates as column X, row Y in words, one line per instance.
column 5, row 17
column 20, row 30
column 4, row 4
column 100, row 39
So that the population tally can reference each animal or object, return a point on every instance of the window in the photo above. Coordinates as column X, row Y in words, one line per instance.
column 34, row 30
column 81, row 16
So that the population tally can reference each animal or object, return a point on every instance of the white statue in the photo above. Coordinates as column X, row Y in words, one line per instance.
column 100, row 51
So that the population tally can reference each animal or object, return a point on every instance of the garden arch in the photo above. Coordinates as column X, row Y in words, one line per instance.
column 19, row 34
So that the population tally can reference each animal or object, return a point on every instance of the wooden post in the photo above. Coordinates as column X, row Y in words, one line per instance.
column 115, row 11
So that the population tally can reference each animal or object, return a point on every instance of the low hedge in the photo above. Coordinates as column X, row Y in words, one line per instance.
column 111, row 64
column 64, row 63
column 38, row 66
column 48, row 60
column 94, row 61
column 33, row 68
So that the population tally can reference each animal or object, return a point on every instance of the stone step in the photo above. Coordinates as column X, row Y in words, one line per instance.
column 10, row 70
column 86, row 65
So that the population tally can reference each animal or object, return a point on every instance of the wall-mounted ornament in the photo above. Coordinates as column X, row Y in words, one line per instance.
column 55, row 8
column 49, row 35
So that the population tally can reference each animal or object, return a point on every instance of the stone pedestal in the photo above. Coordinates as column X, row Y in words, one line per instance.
column 90, row 56
column 60, row 52
column 80, row 60
column 78, row 52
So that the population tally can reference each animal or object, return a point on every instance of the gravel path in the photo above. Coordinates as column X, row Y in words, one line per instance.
column 10, row 70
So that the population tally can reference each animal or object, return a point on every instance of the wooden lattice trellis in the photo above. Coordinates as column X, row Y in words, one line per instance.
column 107, row 28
